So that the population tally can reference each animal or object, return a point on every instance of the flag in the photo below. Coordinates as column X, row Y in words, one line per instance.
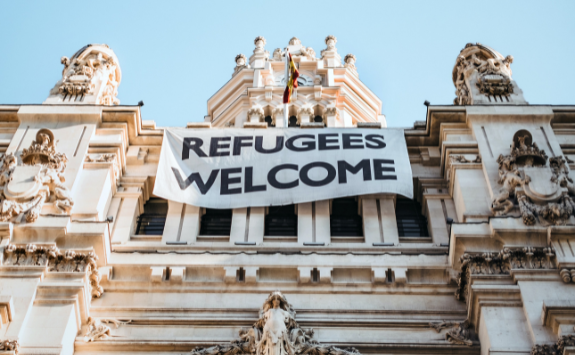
column 292, row 81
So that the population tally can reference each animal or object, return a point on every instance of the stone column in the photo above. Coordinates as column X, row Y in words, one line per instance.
column 129, row 208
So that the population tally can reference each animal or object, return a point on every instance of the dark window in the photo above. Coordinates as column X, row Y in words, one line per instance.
column 216, row 222
column 268, row 120
column 281, row 221
column 410, row 221
column 153, row 220
column 314, row 275
column 345, row 220
column 293, row 122
column 318, row 119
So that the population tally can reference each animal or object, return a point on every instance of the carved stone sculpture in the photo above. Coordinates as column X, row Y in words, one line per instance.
column 482, row 75
column 25, row 188
column 56, row 261
column 543, row 193
column 260, row 55
column 555, row 349
column 276, row 332
column 9, row 345
column 91, row 76
column 240, row 64
column 501, row 264
column 349, row 61
column 304, row 114
column 98, row 329
column 458, row 333
column 329, row 55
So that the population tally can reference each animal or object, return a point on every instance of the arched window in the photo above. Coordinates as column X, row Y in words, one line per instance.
column 269, row 121
column 318, row 119
column 293, row 122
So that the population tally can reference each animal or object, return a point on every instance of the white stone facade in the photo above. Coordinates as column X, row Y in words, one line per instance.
column 495, row 273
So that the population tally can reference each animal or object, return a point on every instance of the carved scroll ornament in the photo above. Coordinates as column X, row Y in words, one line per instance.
column 555, row 349
column 458, row 333
column 276, row 332
column 25, row 188
column 56, row 261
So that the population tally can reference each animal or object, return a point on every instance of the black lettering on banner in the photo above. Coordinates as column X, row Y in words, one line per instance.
column 324, row 140
column 227, row 181
column 343, row 167
column 379, row 169
column 238, row 143
column 349, row 140
column 215, row 146
column 374, row 142
column 195, row 177
column 272, row 178
column 192, row 143
column 306, row 145
column 249, row 181
column 261, row 149
column 304, row 174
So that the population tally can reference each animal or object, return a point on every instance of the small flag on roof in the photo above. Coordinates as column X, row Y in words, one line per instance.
column 292, row 81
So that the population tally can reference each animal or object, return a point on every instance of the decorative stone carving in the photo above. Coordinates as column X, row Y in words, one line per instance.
column 277, row 56
column 555, row 349
column 256, row 114
column 91, row 76
column 458, row 333
column 98, row 329
column 276, row 332
column 9, row 345
column 482, row 75
column 102, row 158
column 277, row 113
column 464, row 160
column 241, row 63
column 501, row 264
column 55, row 261
column 260, row 55
column 567, row 275
column 304, row 114
column 350, row 62
column 25, row 188
column 329, row 55
column 543, row 193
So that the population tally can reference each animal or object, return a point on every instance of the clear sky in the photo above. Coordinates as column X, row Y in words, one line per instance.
column 176, row 54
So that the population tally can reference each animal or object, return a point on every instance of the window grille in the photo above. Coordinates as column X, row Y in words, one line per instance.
column 153, row 220
column 281, row 221
column 345, row 220
column 216, row 222
column 410, row 221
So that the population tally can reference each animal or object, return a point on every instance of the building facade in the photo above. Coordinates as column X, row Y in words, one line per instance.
column 482, row 259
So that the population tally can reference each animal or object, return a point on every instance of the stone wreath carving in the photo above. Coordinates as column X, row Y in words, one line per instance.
column 555, row 349
column 458, row 333
column 25, row 188
column 56, row 261
column 501, row 264
column 276, row 332
column 542, row 193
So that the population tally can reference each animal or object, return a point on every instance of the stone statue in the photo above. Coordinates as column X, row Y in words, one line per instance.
column 275, row 340
column 276, row 332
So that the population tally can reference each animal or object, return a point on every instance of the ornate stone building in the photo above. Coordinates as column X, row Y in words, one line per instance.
column 482, row 260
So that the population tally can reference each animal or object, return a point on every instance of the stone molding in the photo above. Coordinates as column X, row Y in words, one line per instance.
column 56, row 260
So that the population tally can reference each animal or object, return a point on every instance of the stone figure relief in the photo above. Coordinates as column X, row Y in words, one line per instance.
column 458, row 332
column 26, row 188
column 241, row 63
column 501, row 263
column 55, row 260
column 484, row 68
column 349, row 61
column 276, row 332
column 91, row 76
column 543, row 193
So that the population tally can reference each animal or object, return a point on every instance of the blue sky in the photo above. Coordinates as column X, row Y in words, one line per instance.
column 176, row 54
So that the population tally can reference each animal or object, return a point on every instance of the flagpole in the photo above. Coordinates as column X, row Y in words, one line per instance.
column 286, row 116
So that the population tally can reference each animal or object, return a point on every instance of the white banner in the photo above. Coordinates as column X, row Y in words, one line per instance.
column 231, row 168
